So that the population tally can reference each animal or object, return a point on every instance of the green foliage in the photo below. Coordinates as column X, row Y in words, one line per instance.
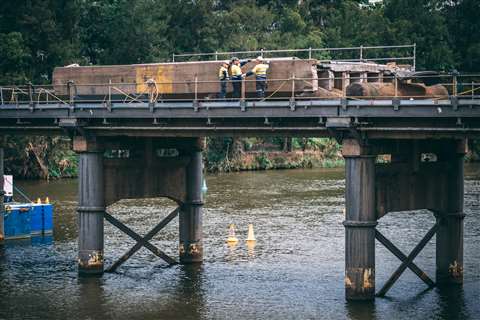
column 36, row 36
column 263, row 161
column 40, row 157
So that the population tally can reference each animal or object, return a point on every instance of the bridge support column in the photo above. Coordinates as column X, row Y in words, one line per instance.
column 190, row 216
column 360, row 222
column 91, row 207
column 449, row 246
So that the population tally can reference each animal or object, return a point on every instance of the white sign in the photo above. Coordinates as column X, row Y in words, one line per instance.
column 8, row 185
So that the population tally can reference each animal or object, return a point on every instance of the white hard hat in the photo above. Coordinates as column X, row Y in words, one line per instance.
column 259, row 58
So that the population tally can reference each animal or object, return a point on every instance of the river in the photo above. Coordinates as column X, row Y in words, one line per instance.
column 295, row 271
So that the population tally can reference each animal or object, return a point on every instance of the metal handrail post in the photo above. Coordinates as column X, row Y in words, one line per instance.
column 216, row 55
column 310, row 53
column 293, row 87
column 31, row 92
column 109, row 103
column 1, row 94
column 454, row 84
column 414, row 56
column 243, row 89
column 396, row 86
column 361, row 53
column 196, row 88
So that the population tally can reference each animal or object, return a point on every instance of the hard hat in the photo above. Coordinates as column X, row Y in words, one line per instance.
column 225, row 62
column 259, row 58
column 234, row 59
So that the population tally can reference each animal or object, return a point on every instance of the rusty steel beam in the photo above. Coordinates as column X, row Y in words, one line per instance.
column 418, row 248
column 180, row 79
column 143, row 241
column 402, row 257
column 135, row 236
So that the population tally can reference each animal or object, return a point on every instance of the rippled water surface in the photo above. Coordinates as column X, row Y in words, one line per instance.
column 295, row 271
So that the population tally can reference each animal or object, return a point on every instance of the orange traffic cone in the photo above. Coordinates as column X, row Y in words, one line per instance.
column 231, row 234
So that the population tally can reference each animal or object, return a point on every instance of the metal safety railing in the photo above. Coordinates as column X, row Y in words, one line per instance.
column 462, row 86
column 357, row 54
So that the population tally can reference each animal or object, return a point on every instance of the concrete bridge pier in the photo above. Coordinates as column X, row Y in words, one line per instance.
column 91, row 206
column 360, row 222
column 190, row 216
column 449, row 246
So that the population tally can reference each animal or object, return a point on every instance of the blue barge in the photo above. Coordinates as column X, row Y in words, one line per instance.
column 26, row 220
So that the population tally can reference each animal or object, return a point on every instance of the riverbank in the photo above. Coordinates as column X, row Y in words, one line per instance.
column 52, row 158
column 277, row 160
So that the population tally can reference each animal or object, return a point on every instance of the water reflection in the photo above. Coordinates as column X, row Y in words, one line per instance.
column 452, row 303
column 251, row 248
column 189, row 293
column 361, row 310
column 294, row 270
column 91, row 297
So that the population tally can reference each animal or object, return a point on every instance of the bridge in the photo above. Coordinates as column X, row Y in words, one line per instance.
column 142, row 147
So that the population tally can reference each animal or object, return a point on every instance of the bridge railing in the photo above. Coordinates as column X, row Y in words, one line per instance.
column 398, row 53
column 460, row 86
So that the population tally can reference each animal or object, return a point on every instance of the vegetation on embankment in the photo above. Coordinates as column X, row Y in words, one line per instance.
column 227, row 154
column 52, row 158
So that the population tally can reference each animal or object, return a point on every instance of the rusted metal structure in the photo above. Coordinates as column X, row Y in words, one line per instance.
column 134, row 147
column 179, row 80
column 406, row 183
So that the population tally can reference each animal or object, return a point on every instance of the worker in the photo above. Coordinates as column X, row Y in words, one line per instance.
column 237, row 75
column 260, row 72
column 223, row 77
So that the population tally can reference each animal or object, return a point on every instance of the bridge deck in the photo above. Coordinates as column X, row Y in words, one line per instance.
column 320, row 117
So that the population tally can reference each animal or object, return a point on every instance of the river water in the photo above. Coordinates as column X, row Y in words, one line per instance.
column 295, row 271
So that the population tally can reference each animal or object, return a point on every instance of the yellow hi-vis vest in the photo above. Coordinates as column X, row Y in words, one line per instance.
column 223, row 73
column 260, row 69
column 235, row 70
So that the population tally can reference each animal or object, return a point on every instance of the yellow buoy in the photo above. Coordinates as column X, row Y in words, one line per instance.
column 39, row 201
column 251, row 235
column 231, row 234
column 47, row 201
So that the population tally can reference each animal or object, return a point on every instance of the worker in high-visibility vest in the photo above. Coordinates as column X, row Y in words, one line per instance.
column 223, row 77
column 236, row 75
column 260, row 72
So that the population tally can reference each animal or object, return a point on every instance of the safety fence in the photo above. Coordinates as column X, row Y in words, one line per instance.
column 440, row 86
column 400, row 53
